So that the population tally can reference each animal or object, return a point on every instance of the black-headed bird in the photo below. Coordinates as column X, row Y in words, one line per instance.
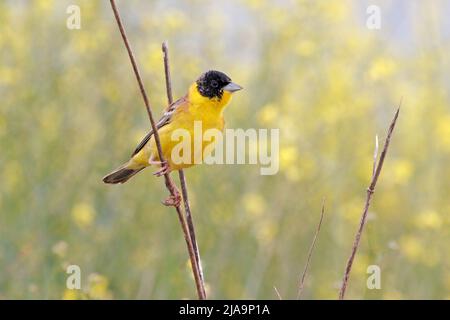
column 205, row 102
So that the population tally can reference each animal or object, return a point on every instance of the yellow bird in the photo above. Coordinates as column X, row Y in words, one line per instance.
column 205, row 101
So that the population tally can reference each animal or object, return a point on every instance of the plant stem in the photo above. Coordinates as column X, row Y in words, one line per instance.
column 184, row 191
column 168, row 181
column 311, row 250
column 370, row 192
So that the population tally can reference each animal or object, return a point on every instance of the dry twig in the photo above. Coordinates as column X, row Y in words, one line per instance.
column 370, row 192
column 311, row 249
column 277, row 293
column 168, row 181
column 184, row 192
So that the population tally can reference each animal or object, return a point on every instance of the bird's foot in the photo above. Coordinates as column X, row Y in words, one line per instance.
column 164, row 169
column 173, row 200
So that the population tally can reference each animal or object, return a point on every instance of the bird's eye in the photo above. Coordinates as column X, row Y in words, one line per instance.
column 214, row 84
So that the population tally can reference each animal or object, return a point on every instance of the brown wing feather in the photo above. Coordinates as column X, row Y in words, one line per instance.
column 165, row 119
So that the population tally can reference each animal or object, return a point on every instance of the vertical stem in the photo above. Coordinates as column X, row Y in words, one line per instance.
column 168, row 78
column 370, row 192
column 184, row 192
column 168, row 181
column 310, row 252
column 190, row 222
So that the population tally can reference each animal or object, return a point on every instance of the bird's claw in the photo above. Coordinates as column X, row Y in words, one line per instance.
column 164, row 169
column 173, row 200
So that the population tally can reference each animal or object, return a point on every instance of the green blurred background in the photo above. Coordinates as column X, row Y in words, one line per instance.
column 71, row 111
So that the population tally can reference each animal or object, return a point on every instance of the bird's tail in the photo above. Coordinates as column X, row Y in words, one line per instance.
column 122, row 174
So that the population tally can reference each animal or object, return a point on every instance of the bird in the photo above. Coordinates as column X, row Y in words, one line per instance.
column 205, row 101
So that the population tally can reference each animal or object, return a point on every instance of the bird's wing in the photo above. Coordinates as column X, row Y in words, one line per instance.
column 165, row 119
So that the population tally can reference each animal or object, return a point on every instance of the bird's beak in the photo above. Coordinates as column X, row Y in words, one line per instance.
column 232, row 87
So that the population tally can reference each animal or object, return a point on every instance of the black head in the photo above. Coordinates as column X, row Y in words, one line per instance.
column 212, row 83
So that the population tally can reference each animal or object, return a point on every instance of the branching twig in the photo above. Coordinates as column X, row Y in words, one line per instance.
column 370, row 192
column 168, row 181
column 184, row 192
column 311, row 249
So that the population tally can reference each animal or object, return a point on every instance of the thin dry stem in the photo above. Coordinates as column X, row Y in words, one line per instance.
column 277, row 293
column 370, row 192
column 375, row 156
column 184, row 192
column 311, row 250
column 168, row 78
column 168, row 181
column 190, row 221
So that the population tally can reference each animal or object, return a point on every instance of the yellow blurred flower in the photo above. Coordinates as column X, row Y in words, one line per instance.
column 265, row 231
column 381, row 68
column 98, row 287
column 254, row 4
column 305, row 48
column 153, row 57
column 254, row 203
column 352, row 210
column 411, row 247
column 442, row 128
column 44, row 5
column 277, row 18
column 268, row 114
column 360, row 265
column 83, row 214
column 334, row 10
column 86, row 41
column 288, row 157
column 294, row 174
column 71, row 294
column 175, row 20
column 8, row 75
column 402, row 171
column 429, row 219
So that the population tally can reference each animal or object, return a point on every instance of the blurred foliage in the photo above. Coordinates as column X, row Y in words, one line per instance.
column 70, row 112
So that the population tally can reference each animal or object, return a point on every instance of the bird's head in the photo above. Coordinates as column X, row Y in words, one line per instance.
column 213, row 84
